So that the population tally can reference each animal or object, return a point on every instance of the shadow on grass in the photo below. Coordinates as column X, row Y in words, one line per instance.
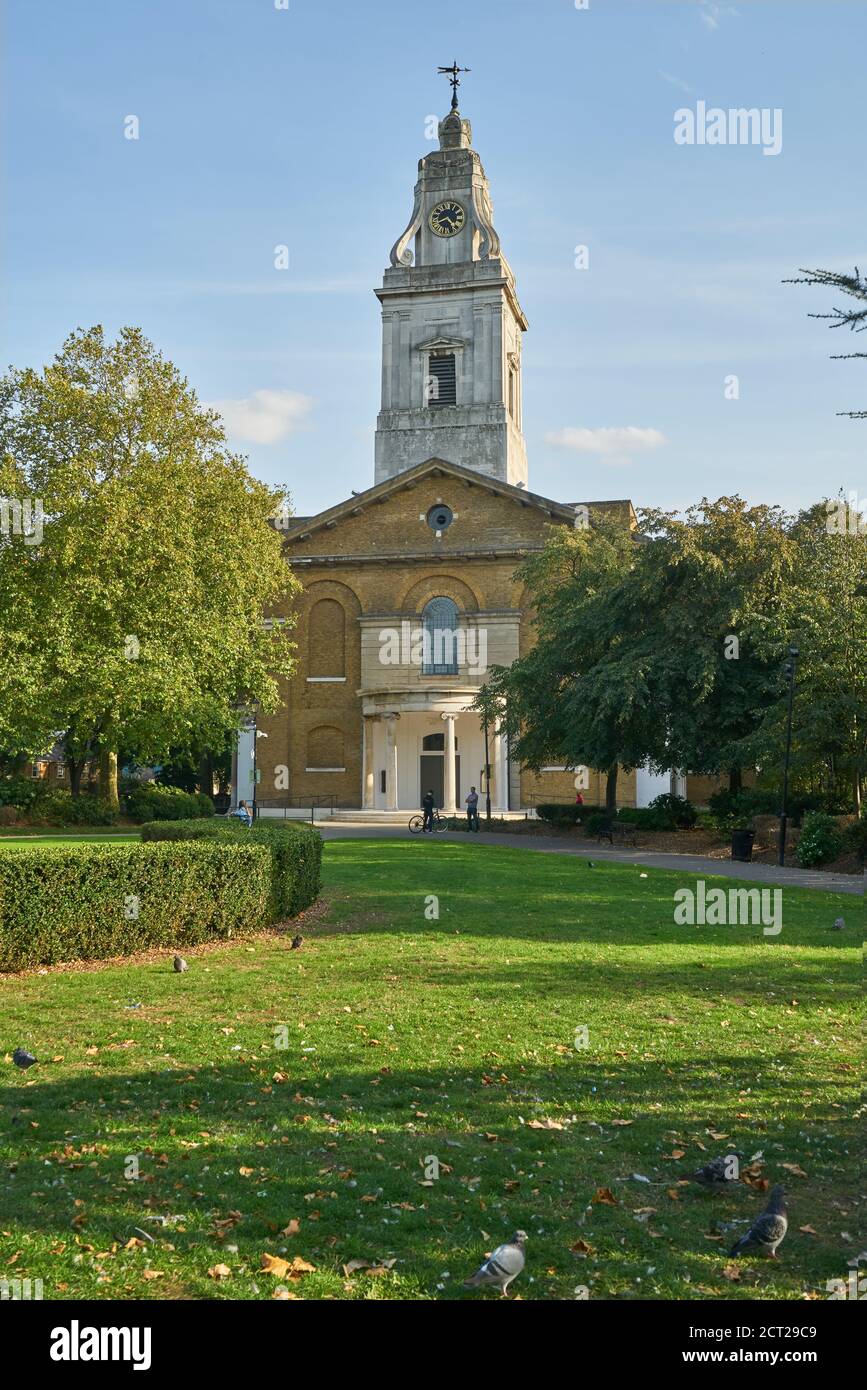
column 343, row 1150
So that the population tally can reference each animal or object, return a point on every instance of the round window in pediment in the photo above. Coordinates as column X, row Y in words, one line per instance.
column 440, row 517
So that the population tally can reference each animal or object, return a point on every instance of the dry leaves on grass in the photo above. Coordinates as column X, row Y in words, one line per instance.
column 219, row 1272
column 603, row 1196
column 582, row 1248
column 795, row 1169
column 286, row 1269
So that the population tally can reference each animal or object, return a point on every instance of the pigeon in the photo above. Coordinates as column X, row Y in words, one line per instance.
column 590, row 864
column 502, row 1266
column 839, row 924
column 23, row 1059
column 768, row 1230
column 722, row 1171
column 297, row 943
column 180, row 964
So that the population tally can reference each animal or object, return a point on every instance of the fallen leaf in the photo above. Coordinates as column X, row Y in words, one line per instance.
column 795, row 1169
column 582, row 1248
column 246, row 1172
column 604, row 1196
column 219, row 1272
column 808, row 1230
column 292, row 1229
column 732, row 1272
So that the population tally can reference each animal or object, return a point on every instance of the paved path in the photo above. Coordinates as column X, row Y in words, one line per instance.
column 769, row 874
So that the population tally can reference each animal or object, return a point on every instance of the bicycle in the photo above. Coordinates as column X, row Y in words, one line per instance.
column 416, row 824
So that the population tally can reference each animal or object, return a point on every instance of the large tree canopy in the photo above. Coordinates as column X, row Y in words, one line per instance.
column 136, row 620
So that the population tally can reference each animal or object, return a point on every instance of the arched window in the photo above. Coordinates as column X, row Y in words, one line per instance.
column 326, row 640
column 440, row 653
column 325, row 749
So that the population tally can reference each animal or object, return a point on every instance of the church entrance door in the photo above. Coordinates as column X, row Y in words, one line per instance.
column 432, row 777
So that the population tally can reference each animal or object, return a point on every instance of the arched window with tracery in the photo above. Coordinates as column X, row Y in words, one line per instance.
column 440, row 652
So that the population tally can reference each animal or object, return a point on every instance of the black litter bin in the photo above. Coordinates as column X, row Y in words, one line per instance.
column 742, row 845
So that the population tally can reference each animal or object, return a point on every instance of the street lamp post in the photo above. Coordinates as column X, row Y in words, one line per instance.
column 254, row 711
column 790, row 668
column 487, row 776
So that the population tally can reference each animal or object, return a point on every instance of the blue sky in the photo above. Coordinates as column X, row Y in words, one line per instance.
column 303, row 126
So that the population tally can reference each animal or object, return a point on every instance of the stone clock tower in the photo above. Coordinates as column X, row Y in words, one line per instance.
column 451, row 326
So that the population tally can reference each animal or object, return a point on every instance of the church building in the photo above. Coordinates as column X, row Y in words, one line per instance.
column 409, row 589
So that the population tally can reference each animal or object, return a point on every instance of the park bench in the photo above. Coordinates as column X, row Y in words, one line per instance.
column 617, row 833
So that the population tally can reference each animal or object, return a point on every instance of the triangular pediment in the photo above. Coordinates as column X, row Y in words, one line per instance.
column 360, row 501
column 442, row 345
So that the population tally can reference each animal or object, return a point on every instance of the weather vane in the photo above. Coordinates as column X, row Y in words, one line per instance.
column 452, row 73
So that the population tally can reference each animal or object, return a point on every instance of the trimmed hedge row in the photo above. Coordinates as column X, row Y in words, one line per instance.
column 152, row 801
column 296, row 854
column 83, row 902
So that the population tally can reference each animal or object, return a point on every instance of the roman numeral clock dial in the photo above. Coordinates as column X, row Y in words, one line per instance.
column 447, row 218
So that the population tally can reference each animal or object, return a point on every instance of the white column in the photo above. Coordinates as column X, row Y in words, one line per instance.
column 501, row 790
column 367, row 791
column 391, row 761
column 450, row 779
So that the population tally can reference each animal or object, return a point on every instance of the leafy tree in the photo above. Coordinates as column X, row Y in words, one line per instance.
column 854, row 319
column 582, row 694
column 137, row 619
column 710, row 586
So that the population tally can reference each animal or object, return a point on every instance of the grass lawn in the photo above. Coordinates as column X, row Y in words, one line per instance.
column 411, row 1039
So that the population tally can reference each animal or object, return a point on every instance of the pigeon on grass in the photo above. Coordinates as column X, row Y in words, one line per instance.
column 23, row 1059
column 720, row 1172
column 839, row 924
column 768, row 1230
column 297, row 943
column 180, row 964
column 502, row 1266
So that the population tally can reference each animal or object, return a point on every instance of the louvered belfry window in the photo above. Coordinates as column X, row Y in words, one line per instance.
column 442, row 385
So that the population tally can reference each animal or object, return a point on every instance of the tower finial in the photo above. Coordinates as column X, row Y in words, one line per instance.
column 454, row 79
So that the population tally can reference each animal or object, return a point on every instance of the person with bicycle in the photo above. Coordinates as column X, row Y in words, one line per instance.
column 427, row 807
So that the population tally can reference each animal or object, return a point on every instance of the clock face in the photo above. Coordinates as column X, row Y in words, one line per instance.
column 447, row 218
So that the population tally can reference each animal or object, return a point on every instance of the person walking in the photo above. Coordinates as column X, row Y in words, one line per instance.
column 472, row 800
column 427, row 807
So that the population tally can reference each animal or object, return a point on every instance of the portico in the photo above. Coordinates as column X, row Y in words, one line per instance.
column 414, row 743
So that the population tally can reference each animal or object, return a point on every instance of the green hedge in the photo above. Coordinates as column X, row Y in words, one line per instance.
column 150, row 801
column 562, row 813
column 296, row 854
column 83, row 902
column 60, row 807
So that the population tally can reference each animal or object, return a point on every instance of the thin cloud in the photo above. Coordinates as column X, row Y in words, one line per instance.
column 675, row 81
column 711, row 13
column 613, row 446
column 265, row 417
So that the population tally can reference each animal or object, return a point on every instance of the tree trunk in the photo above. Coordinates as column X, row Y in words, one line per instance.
column 735, row 780
column 76, row 768
column 611, row 790
column 108, row 777
column 206, row 774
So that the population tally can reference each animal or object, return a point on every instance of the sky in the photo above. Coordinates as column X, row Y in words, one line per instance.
column 299, row 123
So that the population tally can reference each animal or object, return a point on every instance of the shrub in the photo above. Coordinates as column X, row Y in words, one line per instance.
column 597, row 823
column 821, row 840
column 296, row 854
column 855, row 839
column 149, row 801
column 680, row 812
column 563, row 814
column 71, row 902
column 62, row 808
column 20, row 791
